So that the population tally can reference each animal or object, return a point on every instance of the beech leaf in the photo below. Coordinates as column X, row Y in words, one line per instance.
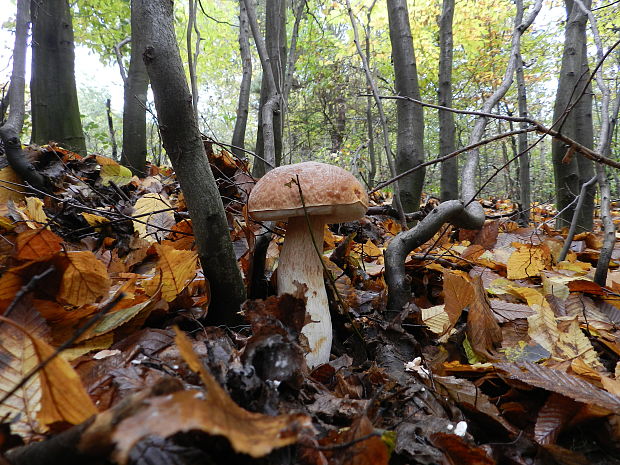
column 85, row 279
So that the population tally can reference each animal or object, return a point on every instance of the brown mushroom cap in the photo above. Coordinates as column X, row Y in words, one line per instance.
column 329, row 191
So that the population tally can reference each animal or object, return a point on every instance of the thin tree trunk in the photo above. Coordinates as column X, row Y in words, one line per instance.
column 604, row 148
column 10, row 131
column 108, row 111
column 183, row 144
column 466, row 212
column 243, row 106
column 193, row 50
column 372, row 173
column 525, row 186
column 447, row 129
column 375, row 92
column 54, row 102
column 410, row 138
column 273, row 57
column 136, row 87
column 574, row 119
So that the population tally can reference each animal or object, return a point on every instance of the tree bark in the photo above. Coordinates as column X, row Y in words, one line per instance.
column 447, row 130
column 410, row 138
column 465, row 213
column 134, row 109
column 573, row 114
column 243, row 106
column 55, row 109
column 183, row 144
column 111, row 131
column 271, row 90
column 10, row 131
column 525, row 186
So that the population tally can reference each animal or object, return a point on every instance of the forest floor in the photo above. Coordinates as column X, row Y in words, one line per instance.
column 506, row 354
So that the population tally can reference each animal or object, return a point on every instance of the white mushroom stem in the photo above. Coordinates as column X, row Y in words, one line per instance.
column 300, row 262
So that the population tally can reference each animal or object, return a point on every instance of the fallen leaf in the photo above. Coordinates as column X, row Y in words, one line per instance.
column 37, row 245
column 85, row 279
column 528, row 260
column 483, row 332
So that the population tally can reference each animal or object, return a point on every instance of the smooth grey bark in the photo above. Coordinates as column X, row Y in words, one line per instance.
column 243, row 105
column 54, row 101
column 573, row 114
column 183, row 144
column 525, row 184
column 270, row 120
column 136, row 87
column 447, row 129
column 10, row 132
column 410, row 137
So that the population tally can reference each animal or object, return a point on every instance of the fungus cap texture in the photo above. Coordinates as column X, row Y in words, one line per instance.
column 328, row 191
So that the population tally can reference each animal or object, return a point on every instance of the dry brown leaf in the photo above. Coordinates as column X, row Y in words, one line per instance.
column 37, row 245
column 213, row 412
column 458, row 450
column 85, row 279
column 458, row 294
column 561, row 383
column 483, row 332
column 553, row 416
column 371, row 451
column 467, row 394
column 177, row 268
column 528, row 260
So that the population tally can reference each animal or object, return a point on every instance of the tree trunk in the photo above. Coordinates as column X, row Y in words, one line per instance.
column 449, row 168
column 183, row 144
column 275, row 43
column 525, row 188
column 111, row 131
column 11, row 130
column 134, row 110
column 410, row 139
column 55, row 110
column 573, row 112
column 238, row 138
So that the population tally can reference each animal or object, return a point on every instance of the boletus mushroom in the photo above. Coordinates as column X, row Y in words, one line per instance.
column 331, row 195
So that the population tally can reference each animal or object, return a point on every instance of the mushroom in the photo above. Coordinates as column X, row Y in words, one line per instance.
column 331, row 195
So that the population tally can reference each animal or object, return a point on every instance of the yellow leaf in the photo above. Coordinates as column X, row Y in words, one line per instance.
column 34, row 210
column 528, row 260
column 95, row 220
column 118, row 174
column 85, row 279
column 436, row 319
column 153, row 216
column 177, row 267
column 543, row 328
column 575, row 344
column 531, row 296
